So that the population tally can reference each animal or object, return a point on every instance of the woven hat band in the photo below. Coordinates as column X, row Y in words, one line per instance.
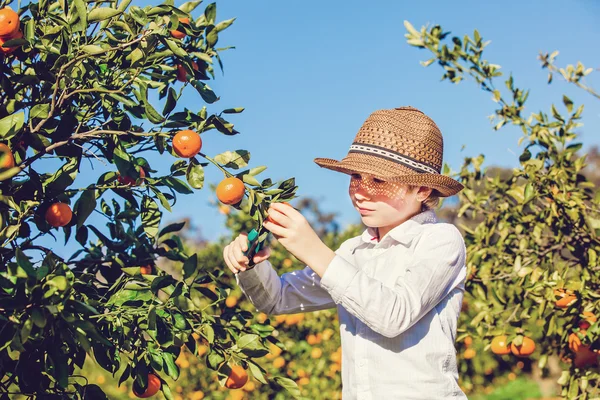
column 396, row 157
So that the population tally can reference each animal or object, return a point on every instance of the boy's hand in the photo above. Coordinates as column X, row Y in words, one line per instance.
column 294, row 232
column 233, row 254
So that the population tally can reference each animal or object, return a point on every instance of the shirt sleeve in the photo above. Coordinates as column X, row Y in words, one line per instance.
column 437, row 267
column 293, row 292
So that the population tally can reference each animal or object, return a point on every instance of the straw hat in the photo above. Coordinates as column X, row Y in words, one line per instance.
column 400, row 145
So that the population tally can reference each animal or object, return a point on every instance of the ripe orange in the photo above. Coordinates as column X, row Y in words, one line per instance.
column 8, row 50
column 231, row 191
column 182, row 73
column 237, row 377
column 499, row 345
column 469, row 353
column 279, row 362
column 8, row 160
column 146, row 269
column 59, row 214
column 316, row 352
column 231, row 301
column 129, row 181
column 565, row 298
column 575, row 342
column 468, row 341
column 525, row 349
column 187, row 143
column 312, row 339
column 178, row 34
column 9, row 22
column 154, row 385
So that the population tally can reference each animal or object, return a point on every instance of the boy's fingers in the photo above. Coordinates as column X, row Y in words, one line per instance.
column 235, row 264
column 262, row 255
column 238, row 253
column 274, row 228
column 226, row 259
column 242, row 239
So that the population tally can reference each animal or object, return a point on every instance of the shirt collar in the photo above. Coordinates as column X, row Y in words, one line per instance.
column 404, row 232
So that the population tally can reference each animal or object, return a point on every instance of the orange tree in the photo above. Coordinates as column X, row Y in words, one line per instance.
column 534, row 273
column 76, row 81
column 302, row 347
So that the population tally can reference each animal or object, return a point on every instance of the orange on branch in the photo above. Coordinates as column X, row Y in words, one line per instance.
column 8, row 50
column 129, row 181
column 237, row 377
column 7, row 158
column 469, row 353
column 279, row 362
column 499, row 345
column 230, row 191
column 59, row 214
column 187, row 143
column 525, row 349
column 146, row 269
column 316, row 352
column 153, row 387
column 178, row 34
column 182, row 72
column 564, row 298
column 9, row 23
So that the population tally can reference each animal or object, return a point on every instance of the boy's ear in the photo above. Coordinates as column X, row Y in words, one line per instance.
column 423, row 193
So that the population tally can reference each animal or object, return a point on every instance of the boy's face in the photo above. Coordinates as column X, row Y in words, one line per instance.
column 383, row 204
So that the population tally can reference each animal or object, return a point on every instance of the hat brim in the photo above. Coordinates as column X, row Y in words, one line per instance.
column 392, row 172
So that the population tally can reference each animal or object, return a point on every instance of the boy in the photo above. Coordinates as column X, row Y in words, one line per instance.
column 398, row 287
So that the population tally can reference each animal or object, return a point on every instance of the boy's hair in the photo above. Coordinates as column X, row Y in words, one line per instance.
column 431, row 202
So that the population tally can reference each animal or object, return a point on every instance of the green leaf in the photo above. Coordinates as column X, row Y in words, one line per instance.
column 288, row 385
column 178, row 51
column 224, row 24
column 233, row 159
column 11, row 125
column 195, row 174
column 205, row 91
column 152, row 114
column 24, row 262
column 178, row 185
column 190, row 6
column 81, row 16
column 38, row 317
column 190, row 265
column 568, row 103
column 100, row 14
column 210, row 13
column 151, row 216
column 528, row 193
column 176, row 227
column 249, row 341
column 59, row 282
column 85, row 205
column 92, row 49
column 236, row 110
column 62, row 179
column 256, row 372
column 171, row 101
column 170, row 366
column 40, row 111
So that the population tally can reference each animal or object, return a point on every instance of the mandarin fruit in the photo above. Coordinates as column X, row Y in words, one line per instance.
column 187, row 143
column 9, row 23
column 59, row 214
column 7, row 158
column 153, row 387
column 499, row 345
column 231, row 191
column 178, row 34
column 237, row 377
column 525, row 349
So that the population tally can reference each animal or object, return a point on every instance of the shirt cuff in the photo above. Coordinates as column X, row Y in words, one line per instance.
column 337, row 278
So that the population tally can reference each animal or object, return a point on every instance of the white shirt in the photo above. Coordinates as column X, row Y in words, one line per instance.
column 398, row 302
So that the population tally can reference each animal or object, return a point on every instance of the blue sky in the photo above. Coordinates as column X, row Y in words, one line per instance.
column 309, row 73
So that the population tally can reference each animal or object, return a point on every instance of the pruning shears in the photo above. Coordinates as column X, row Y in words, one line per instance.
column 256, row 242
